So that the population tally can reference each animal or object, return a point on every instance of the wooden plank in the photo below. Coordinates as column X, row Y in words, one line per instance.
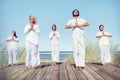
column 114, row 68
column 55, row 72
column 30, row 75
column 71, row 73
column 41, row 72
column 47, row 74
column 107, row 70
column 78, row 73
column 13, row 72
column 24, row 74
column 98, row 71
column 19, row 72
column 63, row 72
column 4, row 73
column 93, row 73
column 87, row 74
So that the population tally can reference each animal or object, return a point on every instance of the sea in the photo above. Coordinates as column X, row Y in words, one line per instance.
column 46, row 55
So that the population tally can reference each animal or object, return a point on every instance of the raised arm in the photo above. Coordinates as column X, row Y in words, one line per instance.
column 16, row 40
column 104, row 34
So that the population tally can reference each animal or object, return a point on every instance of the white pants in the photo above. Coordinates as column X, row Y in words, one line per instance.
column 55, row 52
column 79, row 49
column 12, row 56
column 32, row 55
column 105, row 54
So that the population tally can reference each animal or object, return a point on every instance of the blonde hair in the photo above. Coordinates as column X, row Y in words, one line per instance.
column 33, row 18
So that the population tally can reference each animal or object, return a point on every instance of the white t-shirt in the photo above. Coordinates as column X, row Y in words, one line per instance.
column 12, row 44
column 103, row 40
column 54, row 39
column 32, row 36
column 77, row 29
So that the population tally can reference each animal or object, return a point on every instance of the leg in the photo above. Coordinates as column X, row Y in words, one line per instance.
column 28, row 55
column 14, row 56
column 56, row 53
column 76, row 48
column 53, row 54
column 34, row 56
column 9, row 56
column 107, row 54
column 101, row 49
column 81, row 60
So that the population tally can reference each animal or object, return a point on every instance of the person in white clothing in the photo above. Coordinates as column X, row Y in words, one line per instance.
column 12, row 49
column 54, row 37
column 32, row 41
column 104, row 45
column 77, row 24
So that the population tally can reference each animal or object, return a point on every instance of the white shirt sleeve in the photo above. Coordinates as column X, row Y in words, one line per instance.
column 9, row 38
column 69, row 22
column 98, row 34
column 26, row 29
column 57, row 35
column 37, row 29
column 107, row 33
column 50, row 35
column 82, row 20
column 17, row 39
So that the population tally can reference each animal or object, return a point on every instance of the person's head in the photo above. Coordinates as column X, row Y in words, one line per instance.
column 14, row 34
column 54, row 27
column 75, row 13
column 32, row 19
column 101, row 27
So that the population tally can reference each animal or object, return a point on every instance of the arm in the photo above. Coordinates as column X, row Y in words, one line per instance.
column 103, row 34
column 57, row 35
column 99, row 36
column 107, row 35
column 50, row 35
column 7, row 40
column 77, row 25
column 16, row 40
column 84, row 24
column 69, row 26
column 36, row 30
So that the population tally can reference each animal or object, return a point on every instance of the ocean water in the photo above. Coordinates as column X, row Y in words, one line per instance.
column 46, row 55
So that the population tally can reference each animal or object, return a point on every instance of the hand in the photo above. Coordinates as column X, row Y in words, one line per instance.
column 53, row 34
column 12, row 38
column 31, row 27
column 103, row 34
column 76, row 23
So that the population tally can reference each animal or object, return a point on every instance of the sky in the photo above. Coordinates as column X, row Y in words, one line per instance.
column 14, row 15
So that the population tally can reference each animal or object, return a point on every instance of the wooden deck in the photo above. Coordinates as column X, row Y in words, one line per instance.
column 62, row 71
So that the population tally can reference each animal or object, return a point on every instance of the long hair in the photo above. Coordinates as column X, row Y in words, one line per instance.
column 33, row 18
column 14, row 33
column 74, row 11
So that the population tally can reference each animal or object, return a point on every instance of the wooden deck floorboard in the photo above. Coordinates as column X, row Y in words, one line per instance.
column 62, row 71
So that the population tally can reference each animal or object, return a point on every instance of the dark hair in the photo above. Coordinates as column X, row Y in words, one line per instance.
column 100, row 26
column 74, row 11
column 15, row 34
column 55, row 26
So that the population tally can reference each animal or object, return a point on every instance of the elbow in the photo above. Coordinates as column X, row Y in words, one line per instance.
column 6, row 40
column 96, row 36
